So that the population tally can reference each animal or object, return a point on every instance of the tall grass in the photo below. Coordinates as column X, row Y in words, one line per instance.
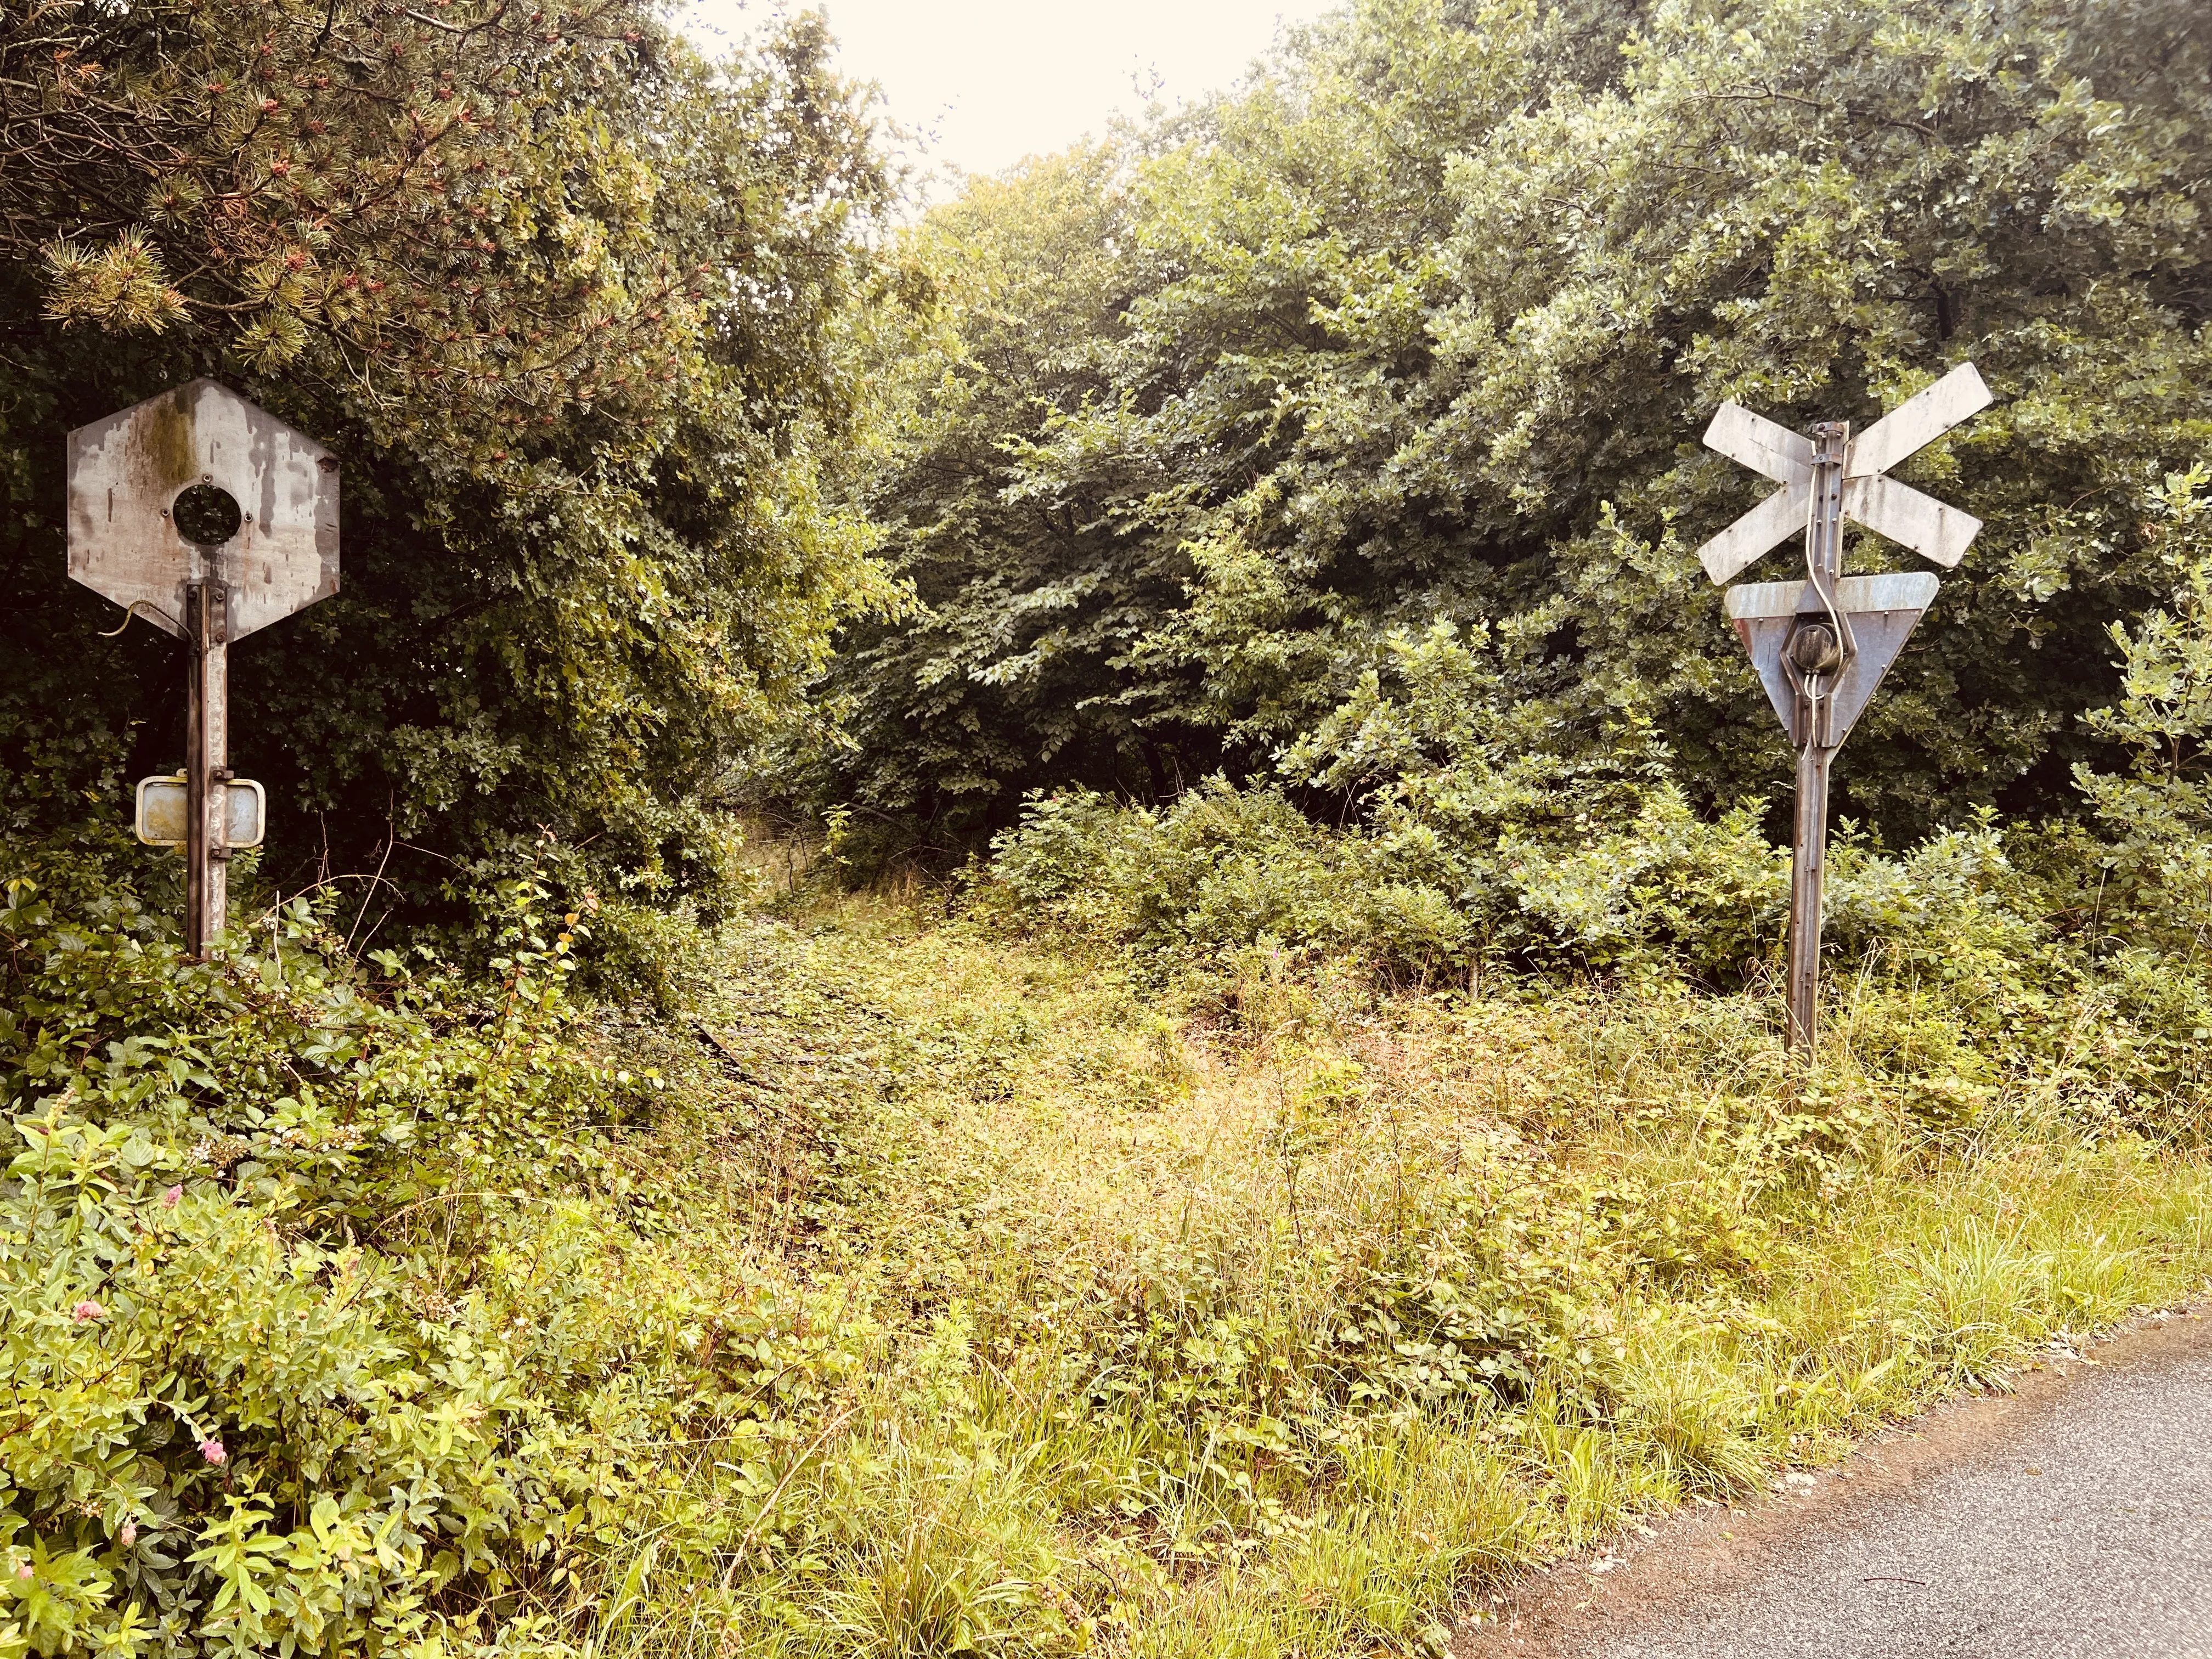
column 1136, row 1329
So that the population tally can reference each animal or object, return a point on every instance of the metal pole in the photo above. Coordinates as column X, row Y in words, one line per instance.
column 1821, row 661
column 1808, row 865
column 207, row 762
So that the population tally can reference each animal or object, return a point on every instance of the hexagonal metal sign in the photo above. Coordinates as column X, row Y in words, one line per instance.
column 125, row 473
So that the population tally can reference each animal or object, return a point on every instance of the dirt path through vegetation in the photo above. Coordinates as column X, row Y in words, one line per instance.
column 2072, row 1519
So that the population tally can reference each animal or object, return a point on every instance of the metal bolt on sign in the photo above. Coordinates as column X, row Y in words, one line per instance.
column 1822, row 645
column 210, row 518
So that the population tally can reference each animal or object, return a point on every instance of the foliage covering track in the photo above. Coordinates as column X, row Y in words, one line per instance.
column 924, row 1289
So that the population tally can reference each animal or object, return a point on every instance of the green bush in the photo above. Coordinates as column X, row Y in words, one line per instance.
column 329, row 1318
column 1424, row 320
column 587, row 557
column 1472, row 842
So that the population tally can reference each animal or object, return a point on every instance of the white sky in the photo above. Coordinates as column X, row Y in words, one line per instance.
column 988, row 82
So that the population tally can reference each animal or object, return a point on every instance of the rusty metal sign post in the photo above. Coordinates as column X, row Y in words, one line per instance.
column 1822, row 644
column 210, row 518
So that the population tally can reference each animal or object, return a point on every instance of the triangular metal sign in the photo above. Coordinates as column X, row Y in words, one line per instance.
column 1883, row 611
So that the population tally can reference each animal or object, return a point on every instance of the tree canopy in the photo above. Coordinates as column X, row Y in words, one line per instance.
column 1423, row 325
column 559, row 293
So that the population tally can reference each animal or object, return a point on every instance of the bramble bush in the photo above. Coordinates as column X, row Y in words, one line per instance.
column 1473, row 840
column 321, row 1332
column 373, row 1308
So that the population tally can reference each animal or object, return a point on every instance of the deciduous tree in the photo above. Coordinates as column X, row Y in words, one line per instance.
column 562, row 296
column 1425, row 323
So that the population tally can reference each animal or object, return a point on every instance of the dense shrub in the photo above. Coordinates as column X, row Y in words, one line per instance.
column 1475, row 840
column 564, row 299
column 1424, row 321
column 978, row 1306
column 330, row 1319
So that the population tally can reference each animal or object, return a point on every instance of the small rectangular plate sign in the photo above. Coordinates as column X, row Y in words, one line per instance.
column 162, row 816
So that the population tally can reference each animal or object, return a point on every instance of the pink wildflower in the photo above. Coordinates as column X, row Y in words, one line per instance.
column 129, row 1535
column 89, row 1311
column 169, row 1199
column 23, row 1571
column 212, row 1450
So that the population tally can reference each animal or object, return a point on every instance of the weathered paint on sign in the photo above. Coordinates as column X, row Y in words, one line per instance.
column 1918, row 422
column 1883, row 612
column 1822, row 646
column 164, row 816
column 126, row 471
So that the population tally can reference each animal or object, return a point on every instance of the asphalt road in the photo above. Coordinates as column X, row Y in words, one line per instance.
column 2071, row 1521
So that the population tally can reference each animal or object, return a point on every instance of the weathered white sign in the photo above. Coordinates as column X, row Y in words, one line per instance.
column 210, row 517
column 1883, row 611
column 164, row 817
column 1883, row 505
column 1822, row 645
column 125, row 473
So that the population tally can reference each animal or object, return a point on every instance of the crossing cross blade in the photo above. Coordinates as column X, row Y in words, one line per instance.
column 1930, row 527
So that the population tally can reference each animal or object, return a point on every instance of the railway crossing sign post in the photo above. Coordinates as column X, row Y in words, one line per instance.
column 1821, row 644
column 210, row 518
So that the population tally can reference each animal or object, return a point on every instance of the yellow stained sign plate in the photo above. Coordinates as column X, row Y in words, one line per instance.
column 161, row 815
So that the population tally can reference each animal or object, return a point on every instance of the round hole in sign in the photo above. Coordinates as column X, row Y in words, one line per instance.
column 206, row 514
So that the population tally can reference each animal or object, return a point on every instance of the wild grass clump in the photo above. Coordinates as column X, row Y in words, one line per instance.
column 1297, row 1330
column 919, row 1288
column 337, row 1317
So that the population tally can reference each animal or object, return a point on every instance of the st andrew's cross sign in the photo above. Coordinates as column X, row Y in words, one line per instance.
column 1821, row 644
column 212, row 519
column 1927, row 526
